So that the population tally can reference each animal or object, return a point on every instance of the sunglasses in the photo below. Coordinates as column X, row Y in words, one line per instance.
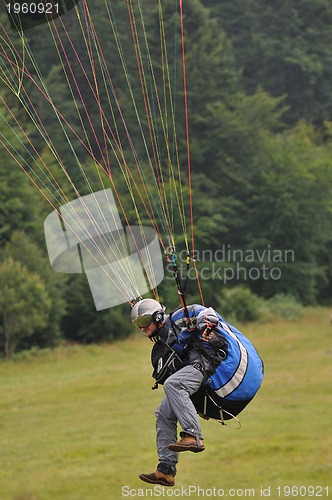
column 143, row 321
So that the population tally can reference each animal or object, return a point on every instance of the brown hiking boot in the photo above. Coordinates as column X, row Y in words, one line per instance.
column 187, row 443
column 158, row 478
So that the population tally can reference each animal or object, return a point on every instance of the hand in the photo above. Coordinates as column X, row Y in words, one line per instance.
column 207, row 334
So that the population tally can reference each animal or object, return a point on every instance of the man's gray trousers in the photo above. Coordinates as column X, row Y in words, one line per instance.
column 177, row 407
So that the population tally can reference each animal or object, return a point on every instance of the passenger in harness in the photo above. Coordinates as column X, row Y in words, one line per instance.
column 207, row 368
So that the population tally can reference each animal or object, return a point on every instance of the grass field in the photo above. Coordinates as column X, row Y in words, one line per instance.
column 77, row 423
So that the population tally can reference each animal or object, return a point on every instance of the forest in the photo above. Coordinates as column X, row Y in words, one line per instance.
column 259, row 79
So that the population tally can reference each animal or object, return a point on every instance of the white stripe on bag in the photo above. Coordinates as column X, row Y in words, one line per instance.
column 238, row 376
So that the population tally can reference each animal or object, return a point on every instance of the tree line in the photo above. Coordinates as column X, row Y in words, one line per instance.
column 260, row 107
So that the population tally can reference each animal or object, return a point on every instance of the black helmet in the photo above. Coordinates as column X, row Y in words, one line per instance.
column 146, row 311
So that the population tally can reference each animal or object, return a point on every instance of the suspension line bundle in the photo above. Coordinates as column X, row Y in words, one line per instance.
column 117, row 120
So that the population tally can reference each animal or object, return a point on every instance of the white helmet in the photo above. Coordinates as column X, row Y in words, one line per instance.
column 146, row 311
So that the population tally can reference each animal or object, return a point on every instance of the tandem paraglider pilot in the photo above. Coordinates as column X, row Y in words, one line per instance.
column 208, row 368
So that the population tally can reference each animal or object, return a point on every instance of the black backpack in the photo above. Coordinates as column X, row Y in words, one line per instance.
column 165, row 361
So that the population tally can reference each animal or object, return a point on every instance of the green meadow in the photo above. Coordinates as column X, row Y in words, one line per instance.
column 77, row 423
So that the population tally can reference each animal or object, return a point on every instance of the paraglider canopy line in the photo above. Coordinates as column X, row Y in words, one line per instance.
column 113, row 123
